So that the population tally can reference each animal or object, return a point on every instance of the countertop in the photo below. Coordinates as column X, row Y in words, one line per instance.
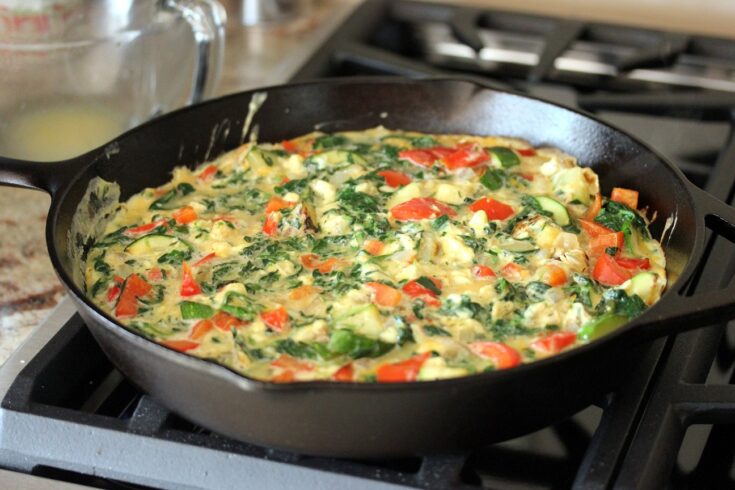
column 254, row 56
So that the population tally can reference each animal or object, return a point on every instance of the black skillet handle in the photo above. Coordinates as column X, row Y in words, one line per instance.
column 680, row 312
column 49, row 177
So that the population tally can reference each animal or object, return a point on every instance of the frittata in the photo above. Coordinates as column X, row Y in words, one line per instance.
column 377, row 256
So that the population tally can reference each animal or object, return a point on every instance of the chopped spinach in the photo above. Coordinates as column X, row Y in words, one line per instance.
column 536, row 291
column 240, row 306
column 493, row 178
column 435, row 331
column 168, row 200
column 356, row 346
column 583, row 287
column 617, row 302
column 424, row 142
column 619, row 217
column 296, row 186
column 302, row 350
column 429, row 284
column 505, row 156
column 440, row 222
column 330, row 141
column 174, row 257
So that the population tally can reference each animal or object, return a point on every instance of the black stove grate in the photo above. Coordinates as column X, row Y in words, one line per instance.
column 669, row 425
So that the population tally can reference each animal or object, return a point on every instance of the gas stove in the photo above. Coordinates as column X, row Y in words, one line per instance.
column 68, row 414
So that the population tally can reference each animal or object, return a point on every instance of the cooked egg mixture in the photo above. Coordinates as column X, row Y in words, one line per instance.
column 377, row 256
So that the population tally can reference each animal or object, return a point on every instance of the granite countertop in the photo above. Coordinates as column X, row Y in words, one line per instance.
column 255, row 56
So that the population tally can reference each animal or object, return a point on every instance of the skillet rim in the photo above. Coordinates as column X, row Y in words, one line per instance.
column 251, row 384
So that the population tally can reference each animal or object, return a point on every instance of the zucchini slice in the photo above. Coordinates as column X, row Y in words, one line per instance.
column 558, row 211
column 155, row 242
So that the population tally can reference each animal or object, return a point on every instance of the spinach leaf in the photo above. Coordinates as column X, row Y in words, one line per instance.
column 240, row 306
column 463, row 307
column 435, row 331
column 296, row 186
column 429, row 284
column 582, row 287
column 617, row 302
column 241, row 342
column 302, row 350
column 167, row 201
column 117, row 236
column 174, row 257
column 440, row 222
column 330, row 141
column 619, row 217
column 424, row 142
column 536, row 291
column 356, row 346
column 357, row 202
column 493, row 178
column 505, row 156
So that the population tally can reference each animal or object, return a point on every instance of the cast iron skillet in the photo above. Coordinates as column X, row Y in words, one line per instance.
column 387, row 420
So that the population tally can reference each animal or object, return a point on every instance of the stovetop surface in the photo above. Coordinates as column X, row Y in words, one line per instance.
column 68, row 413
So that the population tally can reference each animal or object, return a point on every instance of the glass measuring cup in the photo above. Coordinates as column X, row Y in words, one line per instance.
column 75, row 73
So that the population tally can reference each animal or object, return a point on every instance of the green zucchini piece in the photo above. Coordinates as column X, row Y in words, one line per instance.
column 600, row 326
column 558, row 211
column 191, row 310
column 642, row 284
column 505, row 156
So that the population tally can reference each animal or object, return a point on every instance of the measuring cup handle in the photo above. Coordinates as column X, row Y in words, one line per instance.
column 207, row 19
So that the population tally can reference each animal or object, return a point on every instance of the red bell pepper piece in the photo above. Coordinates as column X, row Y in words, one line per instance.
column 185, row 215
column 395, row 179
column 495, row 210
column 512, row 271
column 593, row 229
column 344, row 374
column 146, row 228
column 415, row 289
column 503, row 356
column 205, row 259
column 466, row 156
column 482, row 271
column 556, row 342
column 633, row 263
column 373, row 247
column 134, row 287
column 608, row 272
column 385, row 295
column 424, row 158
column 276, row 319
column 226, row 322
column 420, row 208
column 406, row 370
column 189, row 287
column 200, row 329
column 181, row 345
column 208, row 172
column 155, row 274
column 598, row 243
column 625, row 196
